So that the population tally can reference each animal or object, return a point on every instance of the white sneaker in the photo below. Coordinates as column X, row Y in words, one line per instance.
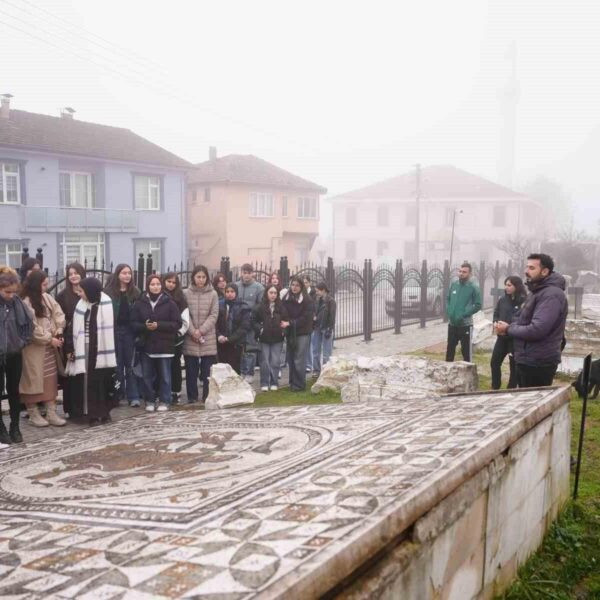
column 264, row 388
column 162, row 407
column 249, row 378
column 257, row 368
column 135, row 404
column 150, row 408
column 273, row 388
column 279, row 376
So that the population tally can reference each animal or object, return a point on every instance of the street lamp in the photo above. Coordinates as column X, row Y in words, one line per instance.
column 452, row 236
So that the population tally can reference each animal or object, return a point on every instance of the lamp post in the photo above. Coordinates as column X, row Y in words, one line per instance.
column 452, row 236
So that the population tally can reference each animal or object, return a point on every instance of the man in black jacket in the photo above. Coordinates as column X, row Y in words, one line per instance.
column 324, row 326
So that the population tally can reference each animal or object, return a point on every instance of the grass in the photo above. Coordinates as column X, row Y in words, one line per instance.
column 567, row 564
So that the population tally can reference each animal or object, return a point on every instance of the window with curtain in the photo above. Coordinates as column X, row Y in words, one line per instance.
column 261, row 205
column 77, row 190
column 10, row 186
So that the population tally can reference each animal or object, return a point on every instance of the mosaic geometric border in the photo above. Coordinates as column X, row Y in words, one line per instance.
column 242, row 502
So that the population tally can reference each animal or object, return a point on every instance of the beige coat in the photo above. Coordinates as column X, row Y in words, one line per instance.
column 44, row 329
column 203, row 304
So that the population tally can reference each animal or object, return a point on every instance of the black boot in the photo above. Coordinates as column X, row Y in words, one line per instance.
column 15, row 432
column 4, row 437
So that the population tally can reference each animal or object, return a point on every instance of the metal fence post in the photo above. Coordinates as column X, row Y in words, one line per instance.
column 482, row 280
column 140, row 272
column 39, row 256
column 149, row 270
column 284, row 271
column 445, row 290
column 330, row 276
column 24, row 255
column 423, row 303
column 398, row 290
column 367, row 298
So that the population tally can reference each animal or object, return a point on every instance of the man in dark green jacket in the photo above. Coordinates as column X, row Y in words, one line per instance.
column 464, row 300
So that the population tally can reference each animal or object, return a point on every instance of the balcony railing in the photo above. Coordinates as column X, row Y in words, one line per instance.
column 61, row 218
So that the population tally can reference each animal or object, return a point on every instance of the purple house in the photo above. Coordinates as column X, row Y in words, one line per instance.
column 83, row 191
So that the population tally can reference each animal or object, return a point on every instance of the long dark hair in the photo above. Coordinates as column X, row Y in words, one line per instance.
column 197, row 270
column 27, row 265
column 78, row 268
column 302, row 291
column 177, row 293
column 215, row 282
column 265, row 300
column 520, row 290
column 32, row 289
column 113, row 286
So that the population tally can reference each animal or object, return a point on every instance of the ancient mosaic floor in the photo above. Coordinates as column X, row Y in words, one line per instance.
column 234, row 504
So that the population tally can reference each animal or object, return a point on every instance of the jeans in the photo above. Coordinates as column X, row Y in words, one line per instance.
column 156, row 371
column 124, row 346
column 297, row 363
column 248, row 363
column 502, row 347
column 197, row 366
column 321, row 343
column 459, row 334
column 528, row 376
column 309, row 354
column 10, row 376
column 270, row 356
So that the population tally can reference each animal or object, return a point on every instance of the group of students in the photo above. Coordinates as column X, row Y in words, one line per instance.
column 101, row 344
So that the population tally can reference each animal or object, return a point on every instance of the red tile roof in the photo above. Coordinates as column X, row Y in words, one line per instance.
column 438, row 181
column 33, row 131
column 249, row 169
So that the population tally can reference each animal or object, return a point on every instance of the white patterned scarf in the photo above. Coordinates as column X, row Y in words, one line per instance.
column 106, row 336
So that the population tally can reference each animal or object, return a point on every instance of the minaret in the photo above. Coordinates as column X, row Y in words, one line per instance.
column 508, row 97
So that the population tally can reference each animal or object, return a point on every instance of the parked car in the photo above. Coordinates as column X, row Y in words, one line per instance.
column 411, row 300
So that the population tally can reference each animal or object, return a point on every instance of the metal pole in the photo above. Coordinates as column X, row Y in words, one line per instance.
column 452, row 237
column 418, row 211
column 587, row 365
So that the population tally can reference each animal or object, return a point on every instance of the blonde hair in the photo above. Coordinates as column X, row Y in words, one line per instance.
column 8, row 276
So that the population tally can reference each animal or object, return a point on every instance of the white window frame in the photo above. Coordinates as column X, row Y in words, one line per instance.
column 99, row 243
column 4, row 175
column 284, row 206
column 152, row 183
column 261, row 205
column 308, row 208
column 6, row 253
column 151, row 246
column 91, row 196
column 380, row 250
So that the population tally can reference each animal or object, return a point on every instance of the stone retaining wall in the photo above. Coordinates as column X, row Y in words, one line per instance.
column 583, row 336
column 471, row 544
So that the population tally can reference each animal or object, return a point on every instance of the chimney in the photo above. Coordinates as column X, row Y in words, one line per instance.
column 5, row 106
column 212, row 153
column 67, row 112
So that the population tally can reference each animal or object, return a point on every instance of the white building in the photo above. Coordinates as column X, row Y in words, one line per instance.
column 379, row 221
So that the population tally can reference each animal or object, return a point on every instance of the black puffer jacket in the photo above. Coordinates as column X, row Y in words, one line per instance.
column 300, row 313
column 268, row 326
column 507, row 308
column 166, row 314
column 236, row 327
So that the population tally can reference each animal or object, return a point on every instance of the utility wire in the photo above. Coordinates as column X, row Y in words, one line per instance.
column 158, row 89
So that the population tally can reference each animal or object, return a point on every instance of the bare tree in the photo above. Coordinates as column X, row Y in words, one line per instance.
column 517, row 248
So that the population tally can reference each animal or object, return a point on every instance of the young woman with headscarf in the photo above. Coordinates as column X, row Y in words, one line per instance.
column 233, row 324
column 91, row 352
column 39, row 380
column 16, row 330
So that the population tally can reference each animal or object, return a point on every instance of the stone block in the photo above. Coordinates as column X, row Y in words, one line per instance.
column 227, row 388
column 583, row 336
column 398, row 377
column 483, row 337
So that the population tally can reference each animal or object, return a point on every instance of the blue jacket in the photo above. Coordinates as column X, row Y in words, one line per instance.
column 539, row 329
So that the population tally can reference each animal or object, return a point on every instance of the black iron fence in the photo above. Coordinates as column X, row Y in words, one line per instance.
column 369, row 298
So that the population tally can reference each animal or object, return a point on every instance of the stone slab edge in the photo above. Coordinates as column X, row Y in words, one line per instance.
column 376, row 532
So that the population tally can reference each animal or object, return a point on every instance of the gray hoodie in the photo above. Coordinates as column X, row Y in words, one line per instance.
column 539, row 328
column 251, row 294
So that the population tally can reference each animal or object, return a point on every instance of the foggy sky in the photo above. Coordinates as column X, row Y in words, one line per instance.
column 341, row 93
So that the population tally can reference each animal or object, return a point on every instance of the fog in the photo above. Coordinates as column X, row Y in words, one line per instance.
column 341, row 93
